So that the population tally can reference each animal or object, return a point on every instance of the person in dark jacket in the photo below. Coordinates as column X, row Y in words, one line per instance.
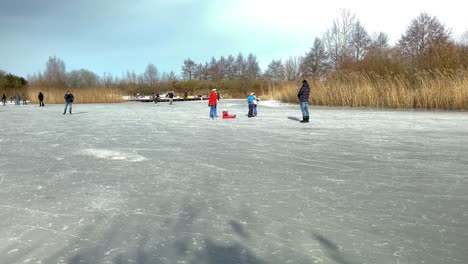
column 40, row 97
column 68, row 101
column 303, row 96
column 156, row 98
column 170, row 95
column 4, row 99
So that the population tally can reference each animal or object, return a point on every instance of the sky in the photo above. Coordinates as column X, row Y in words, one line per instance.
column 115, row 36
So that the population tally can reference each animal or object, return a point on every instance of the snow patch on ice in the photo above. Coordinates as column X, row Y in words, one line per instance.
column 270, row 103
column 113, row 155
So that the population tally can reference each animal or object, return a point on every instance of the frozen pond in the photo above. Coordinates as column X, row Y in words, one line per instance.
column 145, row 183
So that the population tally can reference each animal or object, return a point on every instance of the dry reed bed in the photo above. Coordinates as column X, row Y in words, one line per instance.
column 82, row 95
column 431, row 90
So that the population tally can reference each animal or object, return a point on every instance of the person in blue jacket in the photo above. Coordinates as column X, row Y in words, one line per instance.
column 250, row 101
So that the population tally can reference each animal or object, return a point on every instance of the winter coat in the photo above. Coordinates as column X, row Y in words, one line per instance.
column 250, row 99
column 212, row 100
column 40, row 96
column 304, row 93
column 68, row 98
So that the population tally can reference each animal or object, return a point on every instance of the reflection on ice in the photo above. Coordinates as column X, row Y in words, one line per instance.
column 112, row 155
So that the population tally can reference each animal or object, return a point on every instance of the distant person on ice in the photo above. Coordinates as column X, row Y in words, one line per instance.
column 156, row 98
column 303, row 97
column 3, row 99
column 171, row 97
column 25, row 100
column 40, row 97
column 17, row 99
column 250, row 102
column 212, row 103
column 255, row 104
column 68, row 101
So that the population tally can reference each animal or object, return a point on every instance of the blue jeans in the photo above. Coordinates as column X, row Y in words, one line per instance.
column 250, row 114
column 304, row 108
column 254, row 112
column 66, row 106
column 213, row 112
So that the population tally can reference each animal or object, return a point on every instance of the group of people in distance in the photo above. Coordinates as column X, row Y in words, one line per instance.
column 17, row 98
column 252, row 101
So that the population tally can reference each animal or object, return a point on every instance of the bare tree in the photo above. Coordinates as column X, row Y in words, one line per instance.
column 423, row 33
column 215, row 73
column 55, row 74
column 230, row 68
column 462, row 44
column 240, row 66
column 108, row 80
column 151, row 75
column 222, row 65
column 202, row 71
column 292, row 69
column 82, row 78
column 252, row 67
column 360, row 41
column 188, row 69
column 130, row 78
column 275, row 71
column 315, row 60
column 380, row 41
column 170, row 77
column 198, row 72
column 338, row 37
column 463, row 39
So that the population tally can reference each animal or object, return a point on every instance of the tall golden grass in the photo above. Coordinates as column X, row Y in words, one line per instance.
column 447, row 89
column 82, row 95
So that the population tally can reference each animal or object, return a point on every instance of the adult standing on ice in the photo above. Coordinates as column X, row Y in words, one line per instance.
column 17, row 99
column 3, row 99
column 212, row 103
column 303, row 96
column 68, row 101
column 171, row 97
column 40, row 97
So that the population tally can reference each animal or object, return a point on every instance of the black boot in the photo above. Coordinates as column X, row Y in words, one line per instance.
column 305, row 119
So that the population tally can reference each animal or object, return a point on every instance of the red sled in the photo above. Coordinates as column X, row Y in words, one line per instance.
column 226, row 115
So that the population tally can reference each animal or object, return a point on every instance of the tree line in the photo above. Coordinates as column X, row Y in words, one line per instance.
column 10, row 81
column 427, row 44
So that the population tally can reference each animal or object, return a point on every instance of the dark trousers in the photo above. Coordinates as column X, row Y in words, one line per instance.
column 41, row 103
column 250, row 114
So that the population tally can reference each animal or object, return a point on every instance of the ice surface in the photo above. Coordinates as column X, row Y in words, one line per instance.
column 146, row 183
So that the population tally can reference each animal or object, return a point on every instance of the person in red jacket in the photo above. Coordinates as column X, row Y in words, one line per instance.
column 212, row 103
column 227, row 115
